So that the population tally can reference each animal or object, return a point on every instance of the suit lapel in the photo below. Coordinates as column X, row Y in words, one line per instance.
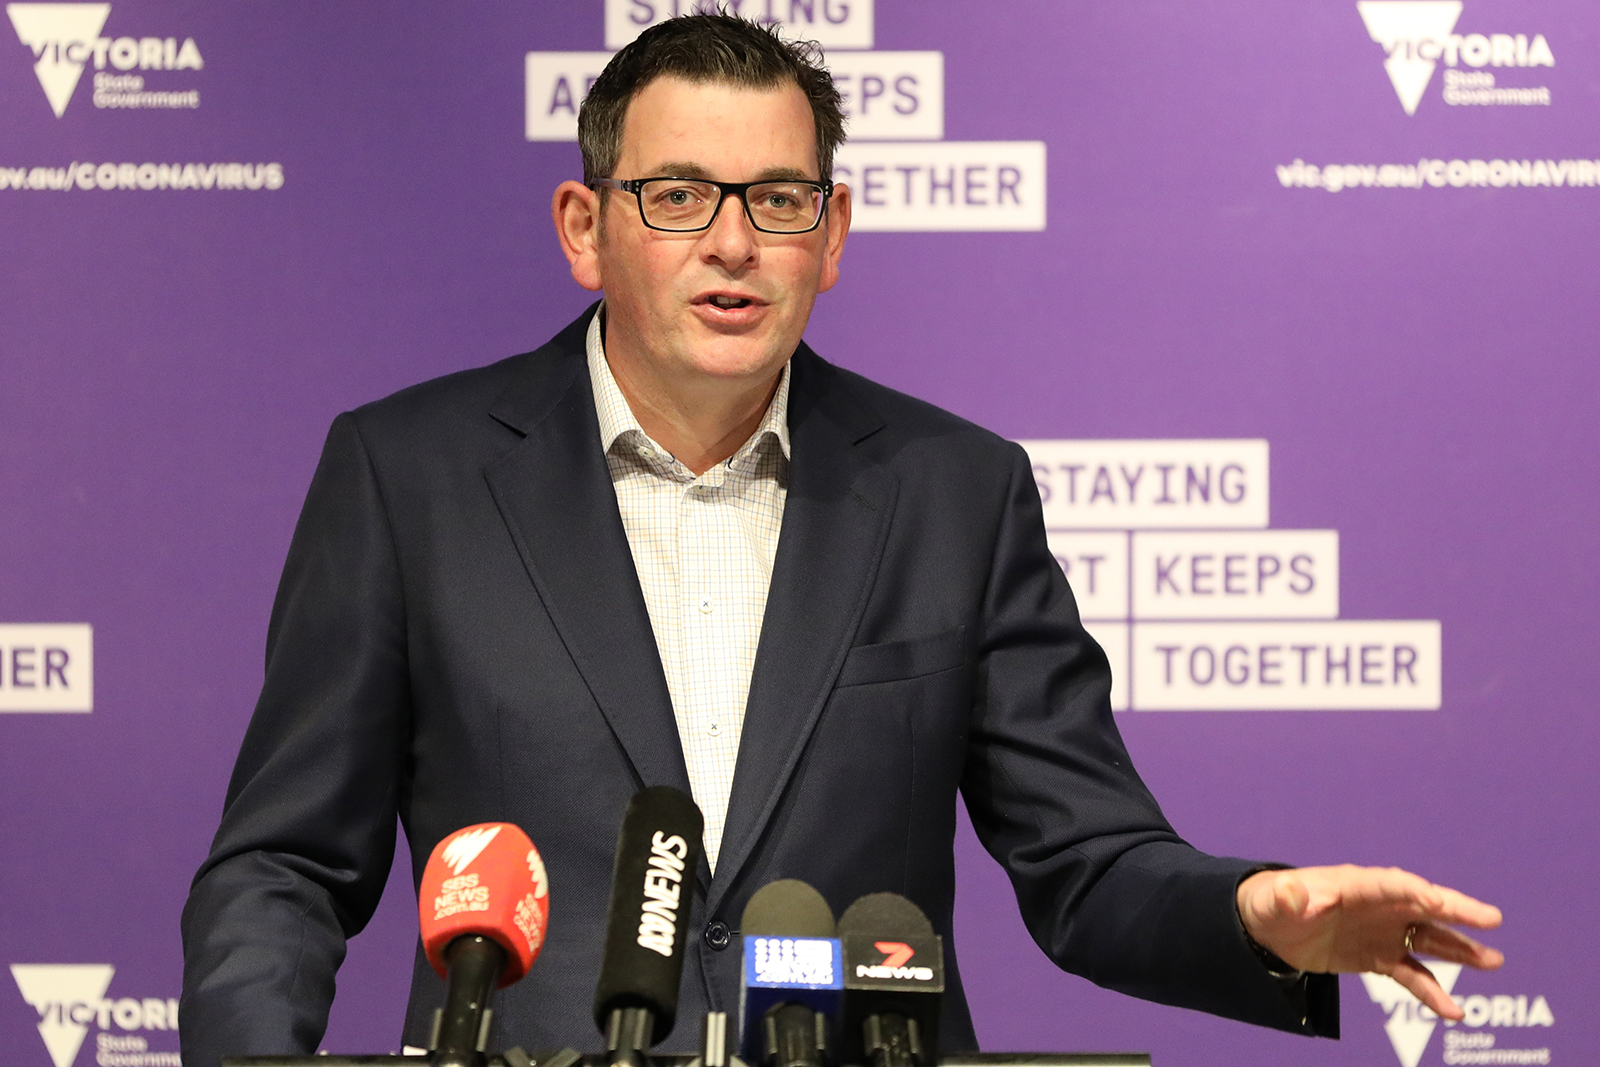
column 835, row 522
column 554, row 491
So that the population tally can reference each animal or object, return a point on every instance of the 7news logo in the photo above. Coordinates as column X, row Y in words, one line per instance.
column 896, row 954
column 71, row 997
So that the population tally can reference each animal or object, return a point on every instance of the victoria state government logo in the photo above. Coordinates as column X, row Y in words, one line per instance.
column 65, row 38
column 1473, row 1040
column 1417, row 35
column 71, row 997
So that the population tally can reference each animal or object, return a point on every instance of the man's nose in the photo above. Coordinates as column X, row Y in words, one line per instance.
column 731, row 239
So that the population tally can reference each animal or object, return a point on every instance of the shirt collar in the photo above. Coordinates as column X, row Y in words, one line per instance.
column 616, row 417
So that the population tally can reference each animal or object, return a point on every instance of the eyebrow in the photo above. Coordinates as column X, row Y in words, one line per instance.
column 699, row 173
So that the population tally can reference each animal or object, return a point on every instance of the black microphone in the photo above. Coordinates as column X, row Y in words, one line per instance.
column 652, row 889
column 793, row 976
column 893, row 983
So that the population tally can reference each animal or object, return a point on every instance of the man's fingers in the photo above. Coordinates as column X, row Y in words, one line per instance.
column 1437, row 903
column 1462, row 910
column 1290, row 897
column 1420, row 981
column 1453, row 946
column 1349, row 918
column 1412, row 894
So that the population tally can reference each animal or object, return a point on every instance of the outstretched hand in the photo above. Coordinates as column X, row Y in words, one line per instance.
column 1378, row 919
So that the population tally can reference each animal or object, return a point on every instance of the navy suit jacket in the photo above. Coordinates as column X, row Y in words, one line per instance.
column 460, row 637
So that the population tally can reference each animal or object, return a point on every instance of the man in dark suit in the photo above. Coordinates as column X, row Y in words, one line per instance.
column 676, row 547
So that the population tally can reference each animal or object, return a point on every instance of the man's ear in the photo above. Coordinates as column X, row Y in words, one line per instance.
column 837, row 225
column 575, row 209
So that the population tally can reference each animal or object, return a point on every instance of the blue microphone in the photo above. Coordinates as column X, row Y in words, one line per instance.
column 793, row 977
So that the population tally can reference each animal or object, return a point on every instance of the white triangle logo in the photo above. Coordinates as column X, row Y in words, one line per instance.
column 460, row 853
column 1410, row 1025
column 51, row 988
column 1400, row 26
column 61, row 36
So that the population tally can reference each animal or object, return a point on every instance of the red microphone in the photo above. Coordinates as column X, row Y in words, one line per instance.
column 484, row 903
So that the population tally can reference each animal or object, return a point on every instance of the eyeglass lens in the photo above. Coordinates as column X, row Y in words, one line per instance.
column 781, row 207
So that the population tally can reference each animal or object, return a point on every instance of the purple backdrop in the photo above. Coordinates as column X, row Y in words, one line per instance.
column 1417, row 345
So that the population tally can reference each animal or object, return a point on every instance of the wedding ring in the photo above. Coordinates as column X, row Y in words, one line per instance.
column 1411, row 932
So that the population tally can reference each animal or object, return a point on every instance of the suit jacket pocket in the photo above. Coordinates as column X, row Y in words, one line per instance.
column 893, row 661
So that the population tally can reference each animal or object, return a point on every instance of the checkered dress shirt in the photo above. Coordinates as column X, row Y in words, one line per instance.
column 703, row 547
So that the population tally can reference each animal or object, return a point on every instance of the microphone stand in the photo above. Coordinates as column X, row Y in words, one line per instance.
column 475, row 965
column 628, row 1032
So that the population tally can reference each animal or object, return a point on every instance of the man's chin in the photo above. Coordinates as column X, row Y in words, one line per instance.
column 738, row 355
column 736, row 363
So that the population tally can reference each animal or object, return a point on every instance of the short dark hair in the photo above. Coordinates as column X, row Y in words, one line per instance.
column 702, row 48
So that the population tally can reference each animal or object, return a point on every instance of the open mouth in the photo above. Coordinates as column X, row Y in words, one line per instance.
column 727, row 302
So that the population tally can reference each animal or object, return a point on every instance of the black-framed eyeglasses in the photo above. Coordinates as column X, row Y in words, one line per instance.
column 685, row 205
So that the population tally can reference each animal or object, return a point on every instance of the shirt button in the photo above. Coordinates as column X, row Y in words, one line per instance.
column 718, row 935
column 707, row 605
column 714, row 729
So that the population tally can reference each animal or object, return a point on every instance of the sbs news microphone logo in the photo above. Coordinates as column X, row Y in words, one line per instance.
column 896, row 954
column 466, row 847
column 465, row 892
column 71, row 997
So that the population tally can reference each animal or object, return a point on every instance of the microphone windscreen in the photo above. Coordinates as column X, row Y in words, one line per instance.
column 885, row 915
column 787, row 908
column 652, row 890
column 488, row 880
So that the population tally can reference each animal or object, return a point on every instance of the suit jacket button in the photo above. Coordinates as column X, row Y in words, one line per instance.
column 718, row 935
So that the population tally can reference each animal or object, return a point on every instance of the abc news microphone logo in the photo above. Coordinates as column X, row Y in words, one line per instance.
column 663, row 890
column 896, row 954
